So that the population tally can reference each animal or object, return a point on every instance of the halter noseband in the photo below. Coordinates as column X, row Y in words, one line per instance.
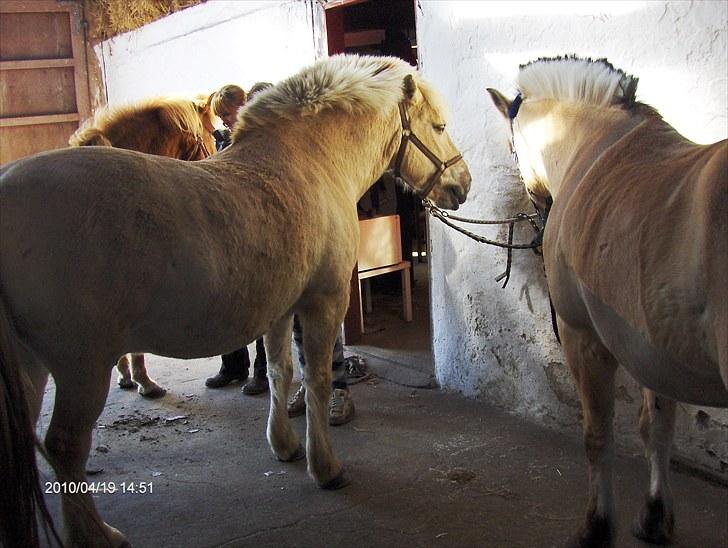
column 407, row 136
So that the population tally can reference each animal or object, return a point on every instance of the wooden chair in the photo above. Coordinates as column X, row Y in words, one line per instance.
column 380, row 252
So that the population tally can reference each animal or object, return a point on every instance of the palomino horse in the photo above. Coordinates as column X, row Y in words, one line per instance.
column 210, row 256
column 636, row 258
column 166, row 126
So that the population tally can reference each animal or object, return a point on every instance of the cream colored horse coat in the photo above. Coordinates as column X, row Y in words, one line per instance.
column 636, row 256
column 208, row 257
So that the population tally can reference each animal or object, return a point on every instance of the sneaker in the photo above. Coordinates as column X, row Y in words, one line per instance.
column 341, row 407
column 356, row 369
column 297, row 403
column 257, row 385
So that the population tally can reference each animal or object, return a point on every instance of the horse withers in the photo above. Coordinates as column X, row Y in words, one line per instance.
column 209, row 256
column 636, row 255
column 176, row 127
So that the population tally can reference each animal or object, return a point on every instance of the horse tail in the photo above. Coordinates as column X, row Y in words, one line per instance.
column 21, row 496
column 89, row 137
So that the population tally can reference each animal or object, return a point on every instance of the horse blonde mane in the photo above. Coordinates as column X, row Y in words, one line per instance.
column 176, row 113
column 577, row 80
column 350, row 83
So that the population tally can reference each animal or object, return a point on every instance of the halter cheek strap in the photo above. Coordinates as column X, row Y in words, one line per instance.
column 407, row 137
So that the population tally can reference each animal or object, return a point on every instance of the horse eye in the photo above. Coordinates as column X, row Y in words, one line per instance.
column 440, row 128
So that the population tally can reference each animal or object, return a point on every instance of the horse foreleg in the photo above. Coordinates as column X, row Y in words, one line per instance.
column 593, row 368
column 656, row 521
column 79, row 401
column 319, row 337
column 281, row 437
column 147, row 386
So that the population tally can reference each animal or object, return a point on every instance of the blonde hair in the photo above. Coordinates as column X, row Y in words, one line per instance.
column 228, row 99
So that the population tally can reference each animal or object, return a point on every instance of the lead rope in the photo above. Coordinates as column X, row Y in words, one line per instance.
column 445, row 217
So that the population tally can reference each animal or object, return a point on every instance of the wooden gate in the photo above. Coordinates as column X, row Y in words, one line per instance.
column 44, row 89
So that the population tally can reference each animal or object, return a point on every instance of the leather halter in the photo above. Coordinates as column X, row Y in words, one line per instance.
column 409, row 136
column 199, row 150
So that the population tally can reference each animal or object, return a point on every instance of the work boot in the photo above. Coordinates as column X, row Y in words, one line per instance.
column 223, row 379
column 297, row 403
column 256, row 385
column 341, row 407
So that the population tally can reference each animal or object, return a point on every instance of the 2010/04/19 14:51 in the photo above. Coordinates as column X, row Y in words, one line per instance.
column 99, row 487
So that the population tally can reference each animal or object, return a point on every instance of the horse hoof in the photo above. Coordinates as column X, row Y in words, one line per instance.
column 154, row 393
column 125, row 384
column 597, row 533
column 342, row 480
column 655, row 524
column 298, row 454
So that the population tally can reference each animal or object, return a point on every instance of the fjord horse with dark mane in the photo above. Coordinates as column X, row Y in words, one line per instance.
column 209, row 256
column 636, row 256
column 167, row 126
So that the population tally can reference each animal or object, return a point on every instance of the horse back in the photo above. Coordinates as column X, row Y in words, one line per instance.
column 636, row 251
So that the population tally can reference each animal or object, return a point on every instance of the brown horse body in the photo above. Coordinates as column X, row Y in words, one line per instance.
column 636, row 255
column 173, row 127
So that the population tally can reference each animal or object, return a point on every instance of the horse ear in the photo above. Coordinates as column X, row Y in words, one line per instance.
column 500, row 101
column 410, row 86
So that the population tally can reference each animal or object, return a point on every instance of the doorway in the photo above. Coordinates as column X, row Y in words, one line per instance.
column 387, row 27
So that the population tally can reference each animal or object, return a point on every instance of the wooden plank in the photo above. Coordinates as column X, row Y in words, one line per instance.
column 39, row 120
column 27, row 140
column 36, row 64
column 78, row 46
column 26, row 36
column 32, row 6
column 333, row 4
column 37, row 92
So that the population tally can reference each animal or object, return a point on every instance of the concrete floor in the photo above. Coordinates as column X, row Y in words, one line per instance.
column 428, row 469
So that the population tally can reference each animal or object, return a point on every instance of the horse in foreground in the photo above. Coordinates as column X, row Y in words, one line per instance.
column 636, row 256
column 166, row 126
column 209, row 256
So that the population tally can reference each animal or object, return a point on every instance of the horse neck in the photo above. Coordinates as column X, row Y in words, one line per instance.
column 353, row 149
column 582, row 138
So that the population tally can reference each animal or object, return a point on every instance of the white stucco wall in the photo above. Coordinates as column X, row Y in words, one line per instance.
column 220, row 42
column 497, row 344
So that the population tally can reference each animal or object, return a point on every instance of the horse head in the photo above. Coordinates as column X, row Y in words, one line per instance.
column 435, row 170
column 527, row 140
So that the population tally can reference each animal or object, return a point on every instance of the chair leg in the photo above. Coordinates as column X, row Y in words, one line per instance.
column 406, row 294
column 368, row 296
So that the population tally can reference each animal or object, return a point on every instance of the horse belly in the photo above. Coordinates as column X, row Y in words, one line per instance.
column 691, row 376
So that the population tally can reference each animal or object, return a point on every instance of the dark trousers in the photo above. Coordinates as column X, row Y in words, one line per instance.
column 338, row 371
column 237, row 364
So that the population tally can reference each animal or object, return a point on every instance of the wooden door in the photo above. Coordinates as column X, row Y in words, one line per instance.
column 44, row 89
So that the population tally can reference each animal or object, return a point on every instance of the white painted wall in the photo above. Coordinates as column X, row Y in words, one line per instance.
column 497, row 344
column 202, row 48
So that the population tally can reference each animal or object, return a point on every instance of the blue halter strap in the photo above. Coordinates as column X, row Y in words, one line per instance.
column 515, row 105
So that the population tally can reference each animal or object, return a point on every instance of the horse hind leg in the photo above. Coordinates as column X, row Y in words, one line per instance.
column 147, row 386
column 593, row 368
column 282, row 439
column 137, row 376
column 656, row 521
column 80, row 398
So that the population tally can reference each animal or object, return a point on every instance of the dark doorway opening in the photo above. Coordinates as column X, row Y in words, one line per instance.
column 387, row 27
